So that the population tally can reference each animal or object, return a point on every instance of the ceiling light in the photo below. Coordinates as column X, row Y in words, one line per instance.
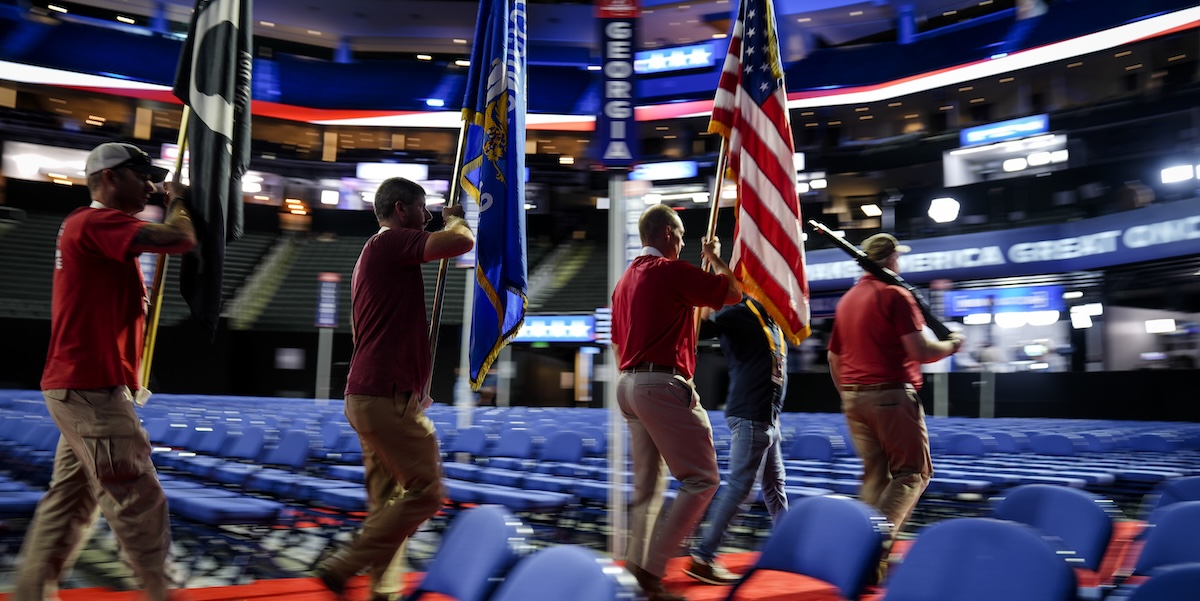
column 818, row 184
column 977, row 319
column 943, row 210
column 871, row 210
column 1010, row 320
column 1042, row 318
column 1059, row 156
column 462, row 63
column 424, row 57
column 56, row 8
column 329, row 197
column 593, row 67
column 1080, row 321
column 1160, row 326
column 1038, row 159
column 1075, row 64
column 652, row 198
column 1177, row 173
column 566, row 160
column 1006, row 79
column 1072, row 294
column 124, row 19
column 856, row 13
column 313, row 32
column 803, row 188
column 435, row 102
column 459, row 41
column 1017, row 164
column 266, row 23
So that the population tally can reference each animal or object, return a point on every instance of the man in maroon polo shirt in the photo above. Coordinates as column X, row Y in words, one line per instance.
column 654, row 335
column 875, row 356
column 385, row 389
column 97, row 318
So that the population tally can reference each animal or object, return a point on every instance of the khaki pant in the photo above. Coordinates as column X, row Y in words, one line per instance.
column 667, row 425
column 399, row 441
column 102, row 464
column 888, row 430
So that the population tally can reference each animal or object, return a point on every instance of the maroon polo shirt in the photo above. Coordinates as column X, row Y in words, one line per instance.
column 653, row 316
column 391, row 332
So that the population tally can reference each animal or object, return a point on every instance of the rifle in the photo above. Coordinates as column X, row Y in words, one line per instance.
column 887, row 276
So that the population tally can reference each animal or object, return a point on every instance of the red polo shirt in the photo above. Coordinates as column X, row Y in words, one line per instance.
column 871, row 319
column 653, row 317
column 391, row 332
column 98, row 303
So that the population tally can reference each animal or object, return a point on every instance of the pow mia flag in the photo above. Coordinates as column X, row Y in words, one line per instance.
column 213, row 79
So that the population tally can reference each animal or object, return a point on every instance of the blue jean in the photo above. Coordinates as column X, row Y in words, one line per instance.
column 754, row 453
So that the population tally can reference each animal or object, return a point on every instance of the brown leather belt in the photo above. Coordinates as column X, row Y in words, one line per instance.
column 647, row 366
column 876, row 387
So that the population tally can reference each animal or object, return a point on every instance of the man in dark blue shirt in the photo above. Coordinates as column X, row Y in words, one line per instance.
column 757, row 356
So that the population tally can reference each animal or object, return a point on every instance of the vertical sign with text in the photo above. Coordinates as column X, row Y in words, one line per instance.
column 616, row 128
column 327, row 299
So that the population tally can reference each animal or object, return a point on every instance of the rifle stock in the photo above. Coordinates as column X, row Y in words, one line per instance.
column 887, row 276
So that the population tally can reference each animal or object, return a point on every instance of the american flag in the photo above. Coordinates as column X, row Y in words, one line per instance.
column 750, row 110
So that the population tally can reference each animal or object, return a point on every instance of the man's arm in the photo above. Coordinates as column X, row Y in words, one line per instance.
column 454, row 239
column 835, row 369
column 711, row 250
column 924, row 349
column 175, row 235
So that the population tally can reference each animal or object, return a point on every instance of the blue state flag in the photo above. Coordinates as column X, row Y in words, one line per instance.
column 493, row 175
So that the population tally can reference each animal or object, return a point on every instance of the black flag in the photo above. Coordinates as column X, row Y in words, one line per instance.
column 213, row 79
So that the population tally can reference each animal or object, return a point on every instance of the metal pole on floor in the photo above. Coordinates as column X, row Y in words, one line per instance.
column 616, row 422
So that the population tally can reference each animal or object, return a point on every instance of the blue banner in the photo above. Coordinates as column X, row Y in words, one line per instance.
column 1005, row 130
column 558, row 328
column 1150, row 233
column 493, row 175
column 1021, row 299
column 616, row 127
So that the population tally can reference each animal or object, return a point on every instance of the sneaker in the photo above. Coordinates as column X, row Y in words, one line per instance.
column 710, row 572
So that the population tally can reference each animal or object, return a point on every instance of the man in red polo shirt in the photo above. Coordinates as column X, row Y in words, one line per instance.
column 654, row 335
column 875, row 356
column 389, row 370
column 97, row 316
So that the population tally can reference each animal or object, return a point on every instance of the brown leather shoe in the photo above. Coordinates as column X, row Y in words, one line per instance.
column 652, row 585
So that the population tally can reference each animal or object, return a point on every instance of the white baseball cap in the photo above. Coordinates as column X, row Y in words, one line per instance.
column 112, row 155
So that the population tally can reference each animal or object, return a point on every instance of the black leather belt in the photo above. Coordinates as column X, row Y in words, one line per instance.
column 876, row 387
column 647, row 366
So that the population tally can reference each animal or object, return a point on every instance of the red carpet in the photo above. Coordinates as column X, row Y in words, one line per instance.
column 765, row 586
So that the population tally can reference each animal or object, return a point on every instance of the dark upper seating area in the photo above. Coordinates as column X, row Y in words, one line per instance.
column 294, row 305
column 27, row 270
column 242, row 256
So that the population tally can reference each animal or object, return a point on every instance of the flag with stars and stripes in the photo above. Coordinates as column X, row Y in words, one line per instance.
column 750, row 111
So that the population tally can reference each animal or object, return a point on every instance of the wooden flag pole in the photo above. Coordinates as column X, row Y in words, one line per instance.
column 160, row 270
column 712, row 213
column 435, row 320
column 722, row 161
